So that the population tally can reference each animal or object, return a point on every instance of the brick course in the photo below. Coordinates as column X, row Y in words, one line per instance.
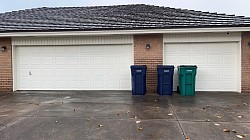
column 245, row 62
column 149, row 57
column 6, row 80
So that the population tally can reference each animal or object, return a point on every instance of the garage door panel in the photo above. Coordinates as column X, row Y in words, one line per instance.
column 200, row 49
column 124, row 84
column 35, row 50
column 172, row 49
column 86, row 72
column 73, row 72
column 86, row 60
column 229, row 73
column 73, row 49
column 48, row 60
column 61, row 60
column 85, row 49
column 200, row 85
column 111, row 60
column 199, row 59
column 36, row 72
column 217, row 64
column 61, row 84
column 98, row 49
column 202, row 74
column 73, row 84
column 48, row 78
column 111, row 72
column 73, row 60
column 61, row 49
column 112, row 84
column 49, row 84
column 24, row 60
column 213, row 59
column 75, row 67
column 229, row 85
column 124, row 60
column 185, row 59
column 61, row 72
column 213, row 73
column 36, row 84
column 213, row 85
column 173, row 58
column 48, row 72
column 229, row 60
column 99, row 84
column 229, row 48
column 186, row 50
column 213, row 47
column 88, row 84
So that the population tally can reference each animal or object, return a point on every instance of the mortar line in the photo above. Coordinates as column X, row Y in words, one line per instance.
column 171, row 106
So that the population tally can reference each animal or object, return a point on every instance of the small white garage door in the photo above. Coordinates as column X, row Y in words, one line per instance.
column 92, row 67
column 218, row 66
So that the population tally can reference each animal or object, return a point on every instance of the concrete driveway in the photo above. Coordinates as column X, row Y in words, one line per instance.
column 114, row 115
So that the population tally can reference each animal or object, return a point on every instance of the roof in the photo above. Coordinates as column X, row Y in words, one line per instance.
column 122, row 17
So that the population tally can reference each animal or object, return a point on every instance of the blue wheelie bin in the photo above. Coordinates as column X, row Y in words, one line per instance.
column 165, row 79
column 138, row 73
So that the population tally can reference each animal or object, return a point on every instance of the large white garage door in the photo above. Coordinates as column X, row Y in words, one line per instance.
column 92, row 67
column 218, row 66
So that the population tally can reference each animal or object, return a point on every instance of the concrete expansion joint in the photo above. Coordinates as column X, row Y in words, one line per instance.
column 176, row 117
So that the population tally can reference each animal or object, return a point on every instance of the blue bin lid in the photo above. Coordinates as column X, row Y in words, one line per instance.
column 165, row 66
column 138, row 67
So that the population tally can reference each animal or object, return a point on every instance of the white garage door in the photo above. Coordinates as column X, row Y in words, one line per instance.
column 93, row 67
column 218, row 67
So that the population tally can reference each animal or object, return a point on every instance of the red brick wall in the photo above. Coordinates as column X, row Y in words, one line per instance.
column 149, row 57
column 6, row 82
column 245, row 62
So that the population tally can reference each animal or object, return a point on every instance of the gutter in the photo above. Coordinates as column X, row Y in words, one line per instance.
column 123, row 32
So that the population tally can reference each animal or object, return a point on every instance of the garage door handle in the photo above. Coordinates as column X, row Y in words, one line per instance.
column 30, row 73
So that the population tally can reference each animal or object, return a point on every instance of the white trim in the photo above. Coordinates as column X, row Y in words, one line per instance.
column 239, row 67
column 13, row 68
column 125, row 32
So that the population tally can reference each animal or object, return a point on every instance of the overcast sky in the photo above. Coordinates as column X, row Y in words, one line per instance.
column 236, row 7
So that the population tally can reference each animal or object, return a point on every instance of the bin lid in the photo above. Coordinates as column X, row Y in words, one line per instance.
column 165, row 66
column 187, row 66
column 138, row 67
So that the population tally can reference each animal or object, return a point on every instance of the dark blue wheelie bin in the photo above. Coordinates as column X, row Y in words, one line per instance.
column 138, row 73
column 165, row 79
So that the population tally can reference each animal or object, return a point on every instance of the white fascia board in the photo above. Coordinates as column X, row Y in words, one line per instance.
column 125, row 32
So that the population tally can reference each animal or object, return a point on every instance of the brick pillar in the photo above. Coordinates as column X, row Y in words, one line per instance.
column 6, row 80
column 245, row 62
column 150, row 57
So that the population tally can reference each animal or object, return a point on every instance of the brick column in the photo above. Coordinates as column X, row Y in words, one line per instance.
column 6, row 80
column 150, row 57
column 245, row 62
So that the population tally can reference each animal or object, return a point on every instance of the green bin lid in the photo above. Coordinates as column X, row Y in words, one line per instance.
column 187, row 66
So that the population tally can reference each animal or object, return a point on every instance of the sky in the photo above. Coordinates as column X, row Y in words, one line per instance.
column 235, row 7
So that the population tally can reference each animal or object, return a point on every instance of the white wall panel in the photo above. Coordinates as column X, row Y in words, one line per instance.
column 73, row 40
column 202, row 37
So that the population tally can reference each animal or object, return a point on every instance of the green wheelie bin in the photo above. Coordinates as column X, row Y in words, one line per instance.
column 187, row 74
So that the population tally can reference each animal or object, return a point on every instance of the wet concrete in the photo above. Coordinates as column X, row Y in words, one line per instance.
column 70, row 115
